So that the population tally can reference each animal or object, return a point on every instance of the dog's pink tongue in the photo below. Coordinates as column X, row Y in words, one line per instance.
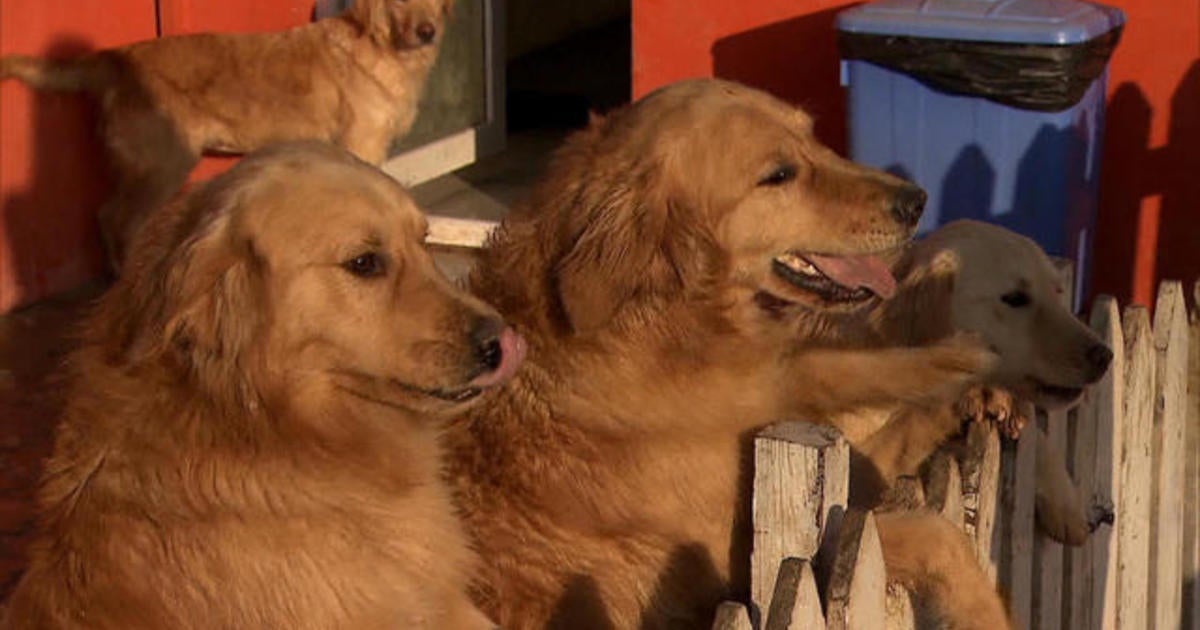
column 512, row 353
column 857, row 271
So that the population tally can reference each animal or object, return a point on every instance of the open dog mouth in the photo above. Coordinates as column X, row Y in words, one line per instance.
column 838, row 279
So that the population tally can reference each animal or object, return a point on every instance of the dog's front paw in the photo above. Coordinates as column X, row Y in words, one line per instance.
column 996, row 406
column 964, row 356
column 1062, row 523
column 1101, row 515
column 1059, row 506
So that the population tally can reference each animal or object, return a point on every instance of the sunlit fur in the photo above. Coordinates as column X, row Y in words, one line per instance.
column 243, row 444
column 605, row 486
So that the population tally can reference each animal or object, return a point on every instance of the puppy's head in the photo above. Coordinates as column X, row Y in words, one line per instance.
column 403, row 24
column 711, row 190
column 1008, row 292
column 302, row 271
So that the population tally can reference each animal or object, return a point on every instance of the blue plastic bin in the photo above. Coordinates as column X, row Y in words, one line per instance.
column 1033, row 169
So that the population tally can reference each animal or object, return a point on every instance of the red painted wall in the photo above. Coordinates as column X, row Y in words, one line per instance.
column 787, row 47
column 1149, row 227
column 1149, row 224
column 51, row 173
column 52, row 167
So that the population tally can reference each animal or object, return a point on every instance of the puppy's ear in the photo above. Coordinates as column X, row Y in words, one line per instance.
column 921, row 312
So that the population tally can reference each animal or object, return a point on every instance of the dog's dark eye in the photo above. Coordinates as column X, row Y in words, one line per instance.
column 782, row 174
column 1016, row 299
column 368, row 265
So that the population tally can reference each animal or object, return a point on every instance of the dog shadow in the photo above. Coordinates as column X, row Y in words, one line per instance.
column 689, row 571
column 50, row 224
column 797, row 60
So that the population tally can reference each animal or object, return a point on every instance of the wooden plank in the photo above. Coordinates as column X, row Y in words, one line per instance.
column 943, row 488
column 1191, row 502
column 1170, row 398
column 794, row 603
column 1134, row 511
column 1012, row 538
column 801, row 483
column 1078, row 568
column 451, row 232
column 980, row 467
column 899, row 610
column 732, row 616
column 1089, row 598
column 857, row 595
column 1049, row 555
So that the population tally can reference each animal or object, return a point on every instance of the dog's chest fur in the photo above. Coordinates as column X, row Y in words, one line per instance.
column 239, row 539
column 609, row 526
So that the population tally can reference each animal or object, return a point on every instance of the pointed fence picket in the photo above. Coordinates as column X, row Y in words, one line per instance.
column 1133, row 450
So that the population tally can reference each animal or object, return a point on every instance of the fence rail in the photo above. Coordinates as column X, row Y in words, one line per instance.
column 1132, row 447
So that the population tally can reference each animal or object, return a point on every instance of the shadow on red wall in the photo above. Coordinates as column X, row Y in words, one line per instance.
column 796, row 60
column 50, row 226
column 1139, row 242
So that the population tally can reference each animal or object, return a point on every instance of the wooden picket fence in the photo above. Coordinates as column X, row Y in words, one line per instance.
column 1133, row 448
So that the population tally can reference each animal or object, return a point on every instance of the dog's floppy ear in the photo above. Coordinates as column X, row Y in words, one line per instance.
column 631, row 239
column 188, row 291
column 614, row 248
column 921, row 312
column 622, row 228
column 610, row 255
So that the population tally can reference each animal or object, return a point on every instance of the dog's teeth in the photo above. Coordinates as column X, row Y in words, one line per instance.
column 798, row 264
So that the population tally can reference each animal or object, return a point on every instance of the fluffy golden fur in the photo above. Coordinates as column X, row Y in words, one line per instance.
column 605, row 486
column 353, row 80
column 250, row 440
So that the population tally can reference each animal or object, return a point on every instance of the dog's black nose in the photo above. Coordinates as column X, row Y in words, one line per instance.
column 908, row 205
column 426, row 31
column 1098, row 358
column 485, row 340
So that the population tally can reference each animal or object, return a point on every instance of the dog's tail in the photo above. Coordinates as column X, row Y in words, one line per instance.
column 78, row 75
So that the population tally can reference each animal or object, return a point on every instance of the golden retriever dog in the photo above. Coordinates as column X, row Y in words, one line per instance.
column 976, row 277
column 681, row 275
column 251, row 439
column 353, row 80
